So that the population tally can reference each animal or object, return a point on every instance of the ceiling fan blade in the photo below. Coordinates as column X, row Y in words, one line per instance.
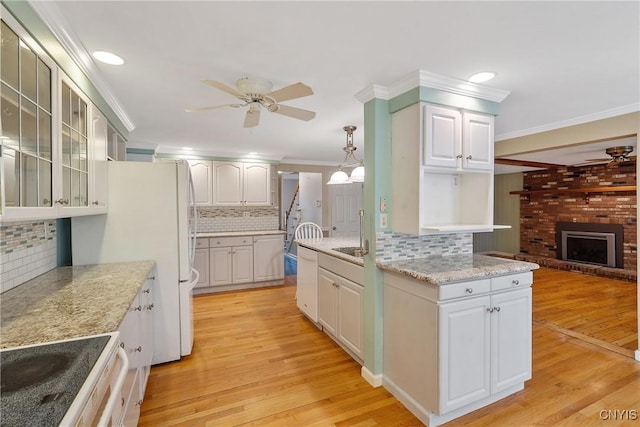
column 296, row 90
column 214, row 107
column 252, row 118
column 296, row 113
column 223, row 87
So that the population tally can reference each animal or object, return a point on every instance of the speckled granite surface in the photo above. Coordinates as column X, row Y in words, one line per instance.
column 70, row 302
column 241, row 233
column 455, row 268
column 327, row 244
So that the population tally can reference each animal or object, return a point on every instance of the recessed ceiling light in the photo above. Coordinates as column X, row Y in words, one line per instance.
column 108, row 58
column 483, row 76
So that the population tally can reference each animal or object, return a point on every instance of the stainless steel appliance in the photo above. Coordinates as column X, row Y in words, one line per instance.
column 75, row 382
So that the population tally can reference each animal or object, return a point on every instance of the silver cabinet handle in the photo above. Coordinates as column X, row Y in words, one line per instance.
column 139, row 403
column 151, row 278
column 138, row 308
column 459, row 156
column 469, row 157
column 138, row 349
column 516, row 282
column 95, row 203
column 469, row 290
column 490, row 310
column 62, row 202
column 497, row 309
column 146, row 291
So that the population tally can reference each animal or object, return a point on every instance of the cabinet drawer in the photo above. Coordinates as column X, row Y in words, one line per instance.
column 520, row 280
column 464, row 289
column 202, row 242
column 216, row 242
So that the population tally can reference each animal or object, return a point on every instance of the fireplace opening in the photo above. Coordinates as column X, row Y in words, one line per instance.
column 600, row 244
column 592, row 248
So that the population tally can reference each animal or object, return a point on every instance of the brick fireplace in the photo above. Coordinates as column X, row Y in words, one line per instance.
column 540, row 212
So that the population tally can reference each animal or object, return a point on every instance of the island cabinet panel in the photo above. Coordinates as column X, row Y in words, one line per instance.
column 450, row 349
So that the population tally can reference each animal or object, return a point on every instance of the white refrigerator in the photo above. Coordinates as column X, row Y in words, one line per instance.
column 151, row 216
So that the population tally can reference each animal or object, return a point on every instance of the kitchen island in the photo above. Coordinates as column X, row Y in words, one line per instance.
column 70, row 302
column 456, row 332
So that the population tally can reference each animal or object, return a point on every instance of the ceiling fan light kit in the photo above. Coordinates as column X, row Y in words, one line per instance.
column 258, row 93
column 350, row 160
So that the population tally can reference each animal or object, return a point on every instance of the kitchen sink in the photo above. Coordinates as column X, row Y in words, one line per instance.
column 350, row 250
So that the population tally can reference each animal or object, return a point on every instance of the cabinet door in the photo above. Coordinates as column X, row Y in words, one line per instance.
column 220, row 266
column 257, row 184
column 227, row 183
column 242, row 264
column 202, row 173
column 350, row 316
column 442, row 133
column 268, row 258
column 510, row 339
column 307, row 282
column 98, row 143
column 477, row 142
column 464, row 352
column 327, row 301
column 201, row 263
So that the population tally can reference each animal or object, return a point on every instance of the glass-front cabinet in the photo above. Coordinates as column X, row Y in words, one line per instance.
column 26, row 120
column 47, row 152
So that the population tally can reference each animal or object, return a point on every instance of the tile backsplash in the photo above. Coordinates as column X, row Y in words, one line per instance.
column 213, row 220
column 394, row 246
column 27, row 249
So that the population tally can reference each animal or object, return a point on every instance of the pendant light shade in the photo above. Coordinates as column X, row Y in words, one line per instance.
column 357, row 174
column 338, row 177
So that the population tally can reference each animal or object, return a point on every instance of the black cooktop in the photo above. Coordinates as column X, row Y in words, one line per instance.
column 39, row 383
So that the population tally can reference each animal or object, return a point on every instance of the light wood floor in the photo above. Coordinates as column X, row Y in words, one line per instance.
column 258, row 362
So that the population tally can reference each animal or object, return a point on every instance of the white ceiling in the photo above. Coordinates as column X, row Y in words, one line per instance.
column 563, row 62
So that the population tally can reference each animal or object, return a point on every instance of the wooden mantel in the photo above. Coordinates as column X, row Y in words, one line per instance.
column 602, row 189
column 583, row 190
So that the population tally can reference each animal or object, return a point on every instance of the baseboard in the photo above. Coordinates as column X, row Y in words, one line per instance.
column 374, row 379
column 637, row 355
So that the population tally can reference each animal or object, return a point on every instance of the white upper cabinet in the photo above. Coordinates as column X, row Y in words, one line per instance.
column 241, row 184
column 202, row 174
column 477, row 141
column 442, row 170
column 54, row 142
column 457, row 140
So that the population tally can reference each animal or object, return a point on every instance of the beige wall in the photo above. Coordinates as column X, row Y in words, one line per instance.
column 598, row 130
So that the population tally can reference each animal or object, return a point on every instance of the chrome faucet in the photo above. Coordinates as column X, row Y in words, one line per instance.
column 364, row 246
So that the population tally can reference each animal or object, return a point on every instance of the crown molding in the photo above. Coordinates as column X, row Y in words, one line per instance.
column 371, row 92
column 606, row 114
column 422, row 78
column 56, row 22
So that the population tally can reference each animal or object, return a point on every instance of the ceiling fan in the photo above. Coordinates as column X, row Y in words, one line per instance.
column 617, row 155
column 257, row 94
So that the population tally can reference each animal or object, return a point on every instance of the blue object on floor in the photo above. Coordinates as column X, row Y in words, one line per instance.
column 290, row 265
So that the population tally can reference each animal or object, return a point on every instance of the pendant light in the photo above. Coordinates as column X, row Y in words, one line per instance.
column 350, row 160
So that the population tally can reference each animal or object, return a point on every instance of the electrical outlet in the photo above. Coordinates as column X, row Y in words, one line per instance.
column 246, row 214
column 383, row 220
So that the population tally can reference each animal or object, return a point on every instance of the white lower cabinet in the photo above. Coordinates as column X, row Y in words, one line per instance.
column 237, row 262
column 451, row 349
column 307, row 282
column 136, row 338
column 268, row 257
column 229, row 265
column 341, row 304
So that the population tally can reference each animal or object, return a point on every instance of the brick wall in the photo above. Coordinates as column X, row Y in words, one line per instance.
column 539, row 214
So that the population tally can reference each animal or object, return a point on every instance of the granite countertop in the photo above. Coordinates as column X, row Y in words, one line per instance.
column 241, row 233
column 326, row 245
column 70, row 302
column 456, row 268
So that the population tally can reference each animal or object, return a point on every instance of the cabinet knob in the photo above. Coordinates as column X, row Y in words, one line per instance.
column 151, row 278
column 490, row 310
column 459, row 156
column 516, row 282
column 150, row 306
column 95, row 203
column 62, row 202
column 138, row 308
column 469, row 157
column 139, row 403
column 146, row 291
column 469, row 290
column 497, row 308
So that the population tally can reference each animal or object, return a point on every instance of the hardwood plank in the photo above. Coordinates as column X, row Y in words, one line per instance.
column 258, row 361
